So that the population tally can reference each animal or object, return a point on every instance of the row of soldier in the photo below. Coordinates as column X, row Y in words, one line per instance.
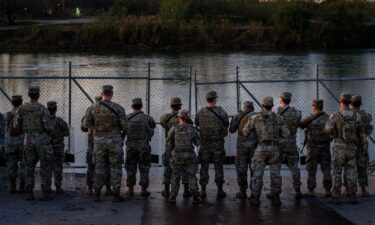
column 264, row 138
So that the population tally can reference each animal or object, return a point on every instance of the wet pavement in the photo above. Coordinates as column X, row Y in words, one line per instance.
column 75, row 207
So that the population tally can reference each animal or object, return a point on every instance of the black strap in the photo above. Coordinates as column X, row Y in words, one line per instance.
column 284, row 111
column 135, row 114
column 170, row 117
column 221, row 119
column 110, row 108
column 314, row 118
column 243, row 116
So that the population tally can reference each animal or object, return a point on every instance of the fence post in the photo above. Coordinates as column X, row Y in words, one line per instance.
column 317, row 80
column 190, row 74
column 148, row 87
column 195, row 91
column 238, row 90
column 70, row 105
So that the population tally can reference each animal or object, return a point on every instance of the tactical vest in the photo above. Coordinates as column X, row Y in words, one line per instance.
column 32, row 118
column 348, row 128
column 315, row 131
column 105, row 120
column 291, row 117
column 211, row 127
column 367, row 119
column 183, row 138
column 57, row 134
column 268, row 129
column 137, row 127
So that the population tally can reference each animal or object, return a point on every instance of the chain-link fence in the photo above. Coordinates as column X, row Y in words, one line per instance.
column 74, row 89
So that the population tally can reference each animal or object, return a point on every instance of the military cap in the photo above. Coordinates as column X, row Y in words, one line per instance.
column 286, row 95
column 248, row 104
column 34, row 89
column 267, row 101
column 317, row 102
column 211, row 94
column 51, row 104
column 346, row 97
column 183, row 113
column 98, row 98
column 137, row 101
column 107, row 88
column 17, row 98
column 175, row 101
column 356, row 98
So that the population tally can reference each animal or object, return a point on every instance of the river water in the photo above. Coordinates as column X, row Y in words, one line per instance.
column 209, row 66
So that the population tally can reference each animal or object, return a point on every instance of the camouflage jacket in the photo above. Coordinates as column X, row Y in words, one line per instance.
column 292, row 118
column 85, row 128
column 238, row 124
column 181, row 141
column 314, row 125
column 168, row 120
column 2, row 132
column 138, row 127
column 212, row 126
column 60, row 130
column 367, row 119
column 10, row 139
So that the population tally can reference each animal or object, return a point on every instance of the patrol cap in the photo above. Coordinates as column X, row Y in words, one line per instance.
column 17, row 98
column 267, row 101
column 248, row 104
column 107, row 88
column 51, row 104
column 345, row 97
column 98, row 98
column 137, row 101
column 34, row 89
column 183, row 113
column 175, row 101
column 286, row 95
column 356, row 98
column 211, row 95
column 318, row 102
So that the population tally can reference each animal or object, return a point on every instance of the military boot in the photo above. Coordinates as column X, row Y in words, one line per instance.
column 97, row 195
column 327, row 194
column 59, row 190
column 254, row 200
column 166, row 191
column 203, row 192
column 29, row 195
column 46, row 196
column 197, row 200
column 13, row 186
column 22, row 187
column 108, row 190
column 334, row 200
column 220, row 192
column 90, row 190
column 117, row 197
column 269, row 195
column 241, row 194
column 276, row 200
column 130, row 191
column 298, row 194
column 144, row 192
column 353, row 199
column 310, row 193
column 364, row 192
column 345, row 193
column 187, row 192
column 172, row 200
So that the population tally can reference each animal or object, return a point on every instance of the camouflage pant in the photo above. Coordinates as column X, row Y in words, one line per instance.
column 362, row 164
column 167, row 160
column 57, row 165
column 319, row 154
column 344, row 157
column 290, row 153
column 266, row 154
column 243, row 163
column 33, row 154
column 212, row 151
column 189, row 170
column 90, row 174
column 138, row 157
column 108, row 148
column 16, row 161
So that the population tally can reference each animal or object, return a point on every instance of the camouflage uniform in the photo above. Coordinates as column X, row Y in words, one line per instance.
column 180, row 141
column 269, row 127
column 14, row 148
column 347, row 130
column 35, row 121
column 108, row 120
column 212, row 133
column 138, row 149
column 288, row 146
column 245, row 145
column 60, row 130
column 167, row 121
column 90, row 174
column 318, row 148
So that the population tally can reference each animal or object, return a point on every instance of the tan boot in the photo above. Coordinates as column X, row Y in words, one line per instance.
column 13, row 186
column 298, row 194
column 353, row 199
column 90, row 190
column 334, row 200
column 97, row 195
column 276, row 200
column 22, row 187
column 166, row 192
column 197, row 200
column 130, row 191
column 254, row 200
column 108, row 190
column 269, row 195
column 364, row 192
column 327, row 194
column 117, row 197
column 46, row 196
column 310, row 193
column 203, row 192
column 241, row 194
column 220, row 192
column 29, row 195
column 187, row 192
column 345, row 193
column 144, row 192
column 59, row 190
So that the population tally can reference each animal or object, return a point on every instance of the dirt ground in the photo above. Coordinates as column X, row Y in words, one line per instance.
column 75, row 207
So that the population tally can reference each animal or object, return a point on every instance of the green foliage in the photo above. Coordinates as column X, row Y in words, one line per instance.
column 175, row 10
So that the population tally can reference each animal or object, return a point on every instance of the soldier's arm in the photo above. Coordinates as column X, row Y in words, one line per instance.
column 361, row 129
column 46, row 118
column 17, row 121
column 226, row 119
column 304, row 122
column 250, row 126
column 190, row 121
column 2, row 131
column 196, row 139
column 196, row 120
column 330, row 127
column 284, row 131
column 234, row 124
column 65, row 128
column 162, row 121
column 170, row 140
column 122, row 118
column 90, row 122
column 152, row 123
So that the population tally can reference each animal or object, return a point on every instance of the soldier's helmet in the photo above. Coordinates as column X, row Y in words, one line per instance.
column 107, row 88
column 17, row 98
column 211, row 95
column 345, row 97
column 176, row 101
column 248, row 105
column 51, row 104
column 34, row 89
column 318, row 103
column 356, row 98
column 267, row 101
column 286, row 96
column 137, row 101
column 183, row 113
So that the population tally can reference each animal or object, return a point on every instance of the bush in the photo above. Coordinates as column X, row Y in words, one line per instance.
column 175, row 10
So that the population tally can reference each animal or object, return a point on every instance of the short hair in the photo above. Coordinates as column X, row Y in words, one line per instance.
column 16, row 103
column 34, row 95
column 176, row 107
column 210, row 99
column 356, row 104
column 320, row 107
column 286, row 101
column 137, row 106
column 268, row 107
column 345, row 102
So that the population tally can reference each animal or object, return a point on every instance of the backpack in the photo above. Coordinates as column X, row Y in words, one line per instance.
column 268, row 129
column 211, row 125
column 348, row 127
column 137, row 127
column 182, row 139
column 291, row 117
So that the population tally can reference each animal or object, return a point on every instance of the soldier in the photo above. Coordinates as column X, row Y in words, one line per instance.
column 108, row 121
column 167, row 121
column 362, row 153
column 268, row 127
column 245, row 146
column 2, row 151
column 90, row 174
column 138, row 149
column 35, row 121
column 180, row 143
column 213, row 124
column 14, row 148
column 60, row 130
column 288, row 146
column 318, row 148
column 347, row 129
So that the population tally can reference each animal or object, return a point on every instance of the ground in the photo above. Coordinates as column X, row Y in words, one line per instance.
column 75, row 207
